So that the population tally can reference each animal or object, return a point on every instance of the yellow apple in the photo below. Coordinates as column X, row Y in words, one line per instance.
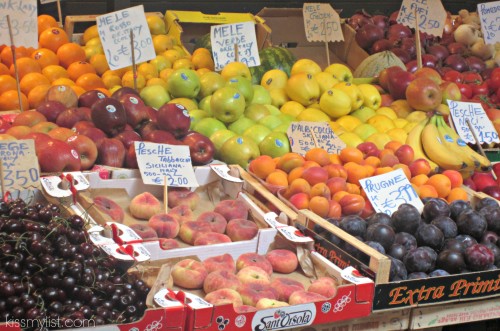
column 363, row 113
column 307, row 66
column 313, row 115
column 381, row 122
column 350, row 139
column 353, row 92
column 274, row 78
column 292, row 108
column 349, row 122
column 371, row 96
column 340, row 71
column 335, row 103
column 303, row 88
column 325, row 81
column 387, row 111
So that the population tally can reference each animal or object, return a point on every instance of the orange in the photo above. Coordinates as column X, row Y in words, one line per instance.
column 111, row 81
column 31, row 80
column 6, row 55
column 318, row 155
column 89, row 81
column 441, row 183
column 427, row 191
column 457, row 193
column 4, row 70
column 25, row 65
column 45, row 22
column 78, row 89
column 77, row 69
column 100, row 63
column 7, row 82
column 351, row 154
column 53, row 38
column 45, row 57
column 54, row 72
column 37, row 95
column 69, row 53
column 63, row 81
column 9, row 101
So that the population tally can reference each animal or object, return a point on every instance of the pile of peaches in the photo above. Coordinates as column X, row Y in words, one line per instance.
column 328, row 184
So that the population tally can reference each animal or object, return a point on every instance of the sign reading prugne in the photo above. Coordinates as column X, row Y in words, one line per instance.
column 284, row 317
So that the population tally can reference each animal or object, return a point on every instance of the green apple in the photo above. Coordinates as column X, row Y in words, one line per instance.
column 273, row 110
column 286, row 118
column 240, row 125
column 243, row 85
column 257, row 132
column 270, row 121
column 261, row 95
column 197, row 115
column 363, row 113
column 183, row 83
column 161, row 62
column 335, row 103
column 154, row 96
column 218, row 138
column 239, row 150
column 275, row 144
column 364, row 130
column 227, row 104
column 208, row 125
column 209, row 83
column 204, row 104
column 283, row 127
column 255, row 112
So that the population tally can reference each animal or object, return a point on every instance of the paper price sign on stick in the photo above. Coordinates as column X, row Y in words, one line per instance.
column 114, row 32
column 489, row 15
column 461, row 112
column 321, row 22
column 227, row 39
column 306, row 135
column 43, row 2
column 19, row 167
column 388, row 191
column 163, row 164
column 431, row 15
column 23, row 22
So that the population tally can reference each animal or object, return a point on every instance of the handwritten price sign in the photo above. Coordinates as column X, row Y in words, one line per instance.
column 388, row 191
column 225, row 36
column 159, row 161
column 474, row 112
column 23, row 21
column 19, row 165
column 321, row 22
column 431, row 15
column 114, row 32
column 304, row 135
column 489, row 14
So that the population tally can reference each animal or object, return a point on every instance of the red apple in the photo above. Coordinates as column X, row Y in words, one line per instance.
column 69, row 117
column 368, row 34
column 424, row 94
column 86, row 148
column 109, row 115
column 111, row 152
column 201, row 148
column 160, row 137
column 131, row 158
column 88, row 98
column 51, row 109
column 482, row 180
column 173, row 118
column 398, row 80
column 398, row 31
column 429, row 73
column 4, row 125
column 135, row 110
column 97, row 135
column 128, row 138
column 58, row 156
column 79, row 126
column 123, row 90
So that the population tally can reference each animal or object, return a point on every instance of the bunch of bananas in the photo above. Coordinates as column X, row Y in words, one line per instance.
column 433, row 140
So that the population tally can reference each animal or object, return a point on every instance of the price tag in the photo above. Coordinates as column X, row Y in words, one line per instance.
column 114, row 32
column 489, row 15
column 19, row 165
column 157, row 161
column 225, row 36
column 387, row 191
column 474, row 112
column 43, row 2
column 321, row 22
column 300, row 135
column 222, row 170
column 23, row 21
column 431, row 15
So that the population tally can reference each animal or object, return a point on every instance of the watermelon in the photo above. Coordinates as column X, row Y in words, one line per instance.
column 272, row 58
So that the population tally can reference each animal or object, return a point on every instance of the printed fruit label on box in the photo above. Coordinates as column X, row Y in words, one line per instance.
column 284, row 317
column 461, row 112
column 321, row 22
column 23, row 23
column 490, row 24
column 304, row 136
column 430, row 15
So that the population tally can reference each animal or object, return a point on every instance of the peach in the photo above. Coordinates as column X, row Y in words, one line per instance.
column 243, row 309
column 285, row 287
column 266, row 303
column 210, row 238
column 300, row 200
column 320, row 206
column 219, row 262
column 182, row 196
column 326, row 286
column 144, row 205
column 251, row 293
column 240, row 229
column 253, row 274
column 165, row 225
column 110, row 208
column 167, row 244
column 254, row 259
column 282, row 260
column 298, row 185
column 232, row 209
column 182, row 213
column 300, row 297
column 144, row 231
column 336, row 184
column 216, row 221
column 289, row 161
column 315, row 175
column 189, row 274
column 224, row 296
column 405, row 154
column 190, row 230
column 220, row 279
column 321, row 190
column 388, row 160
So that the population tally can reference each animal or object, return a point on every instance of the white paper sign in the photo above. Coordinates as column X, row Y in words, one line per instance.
column 114, row 32
column 158, row 162
column 43, row 2
column 225, row 36
column 388, row 191
column 23, row 21
column 474, row 112
column 431, row 15
column 300, row 135
column 489, row 14
column 18, row 165
column 321, row 22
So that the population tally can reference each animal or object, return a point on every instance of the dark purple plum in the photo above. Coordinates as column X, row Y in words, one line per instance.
column 495, row 250
column 429, row 235
column 434, row 208
column 377, row 218
column 454, row 245
column 407, row 240
column 471, row 223
column 492, row 216
column 466, row 240
column 451, row 261
column 419, row 260
column 439, row 273
column 417, row 275
column 457, row 207
column 398, row 270
column 350, row 249
column 376, row 246
column 406, row 219
column 490, row 237
column 397, row 251
column 354, row 225
column 492, row 267
column 382, row 234
column 478, row 257
column 486, row 202
column 446, row 225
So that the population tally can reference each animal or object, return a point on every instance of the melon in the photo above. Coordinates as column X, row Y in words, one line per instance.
column 375, row 63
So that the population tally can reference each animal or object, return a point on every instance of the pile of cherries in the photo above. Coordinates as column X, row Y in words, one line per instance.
column 51, row 271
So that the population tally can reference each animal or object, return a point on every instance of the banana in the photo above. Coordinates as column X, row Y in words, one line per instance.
column 436, row 150
column 480, row 161
column 414, row 140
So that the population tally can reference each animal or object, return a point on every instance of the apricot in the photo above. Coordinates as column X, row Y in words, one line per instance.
column 373, row 161
column 336, row 184
column 278, row 178
column 315, row 175
column 295, row 173
column 319, row 205
column 318, row 155
column 355, row 172
column 311, row 164
column 335, row 170
column 335, row 159
column 262, row 166
column 393, row 145
column 320, row 189
column 441, row 183
column 420, row 166
column 383, row 170
column 351, row 154
column 298, row 185
column 419, row 180
column 455, row 178
column 335, row 210
column 353, row 188
column 300, row 200
column 457, row 193
column 352, row 204
column 427, row 191
column 405, row 169
column 290, row 161
column 337, row 196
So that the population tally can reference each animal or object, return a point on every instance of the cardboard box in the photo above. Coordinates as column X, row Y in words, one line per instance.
column 287, row 30
column 187, row 26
